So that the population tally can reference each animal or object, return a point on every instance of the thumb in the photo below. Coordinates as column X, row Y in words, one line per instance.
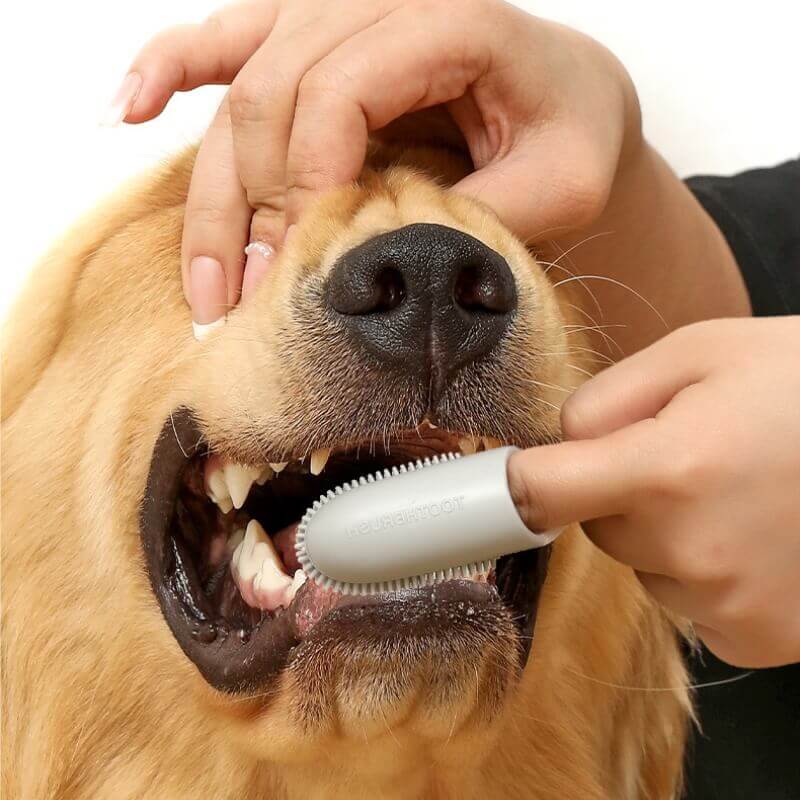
column 550, row 180
column 555, row 485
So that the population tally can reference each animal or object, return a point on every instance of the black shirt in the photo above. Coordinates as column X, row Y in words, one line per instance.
column 749, row 746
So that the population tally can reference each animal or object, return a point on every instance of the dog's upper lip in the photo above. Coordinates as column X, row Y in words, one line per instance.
column 237, row 660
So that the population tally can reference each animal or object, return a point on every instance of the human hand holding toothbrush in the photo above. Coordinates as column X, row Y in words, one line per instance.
column 683, row 461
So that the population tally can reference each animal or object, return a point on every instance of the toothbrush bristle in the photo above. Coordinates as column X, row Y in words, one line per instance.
column 465, row 571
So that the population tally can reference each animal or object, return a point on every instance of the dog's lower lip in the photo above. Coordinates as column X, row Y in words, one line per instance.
column 242, row 657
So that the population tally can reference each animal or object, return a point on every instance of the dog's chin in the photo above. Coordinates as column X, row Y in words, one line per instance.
column 240, row 643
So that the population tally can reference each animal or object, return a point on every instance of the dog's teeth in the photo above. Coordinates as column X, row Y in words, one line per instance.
column 217, row 486
column 271, row 587
column 298, row 580
column 490, row 442
column 239, row 480
column 468, row 445
column 267, row 473
column 249, row 553
column 258, row 571
column 278, row 467
column 319, row 458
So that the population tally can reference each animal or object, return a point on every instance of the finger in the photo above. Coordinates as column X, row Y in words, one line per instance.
column 348, row 89
column 188, row 56
column 633, row 543
column 724, row 648
column 263, row 105
column 215, row 226
column 680, row 599
column 638, row 387
column 568, row 170
column 557, row 484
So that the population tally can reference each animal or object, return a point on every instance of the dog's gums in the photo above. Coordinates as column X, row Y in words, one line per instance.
column 220, row 547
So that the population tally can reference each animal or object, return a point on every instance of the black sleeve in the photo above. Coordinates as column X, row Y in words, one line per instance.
column 758, row 212
column 748, row 745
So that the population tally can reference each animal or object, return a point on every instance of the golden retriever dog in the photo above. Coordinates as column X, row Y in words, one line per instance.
column 157, row 639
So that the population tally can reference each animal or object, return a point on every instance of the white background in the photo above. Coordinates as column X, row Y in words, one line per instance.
column 718, row 83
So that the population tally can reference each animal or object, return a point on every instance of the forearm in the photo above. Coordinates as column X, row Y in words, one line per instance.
column 655, row 238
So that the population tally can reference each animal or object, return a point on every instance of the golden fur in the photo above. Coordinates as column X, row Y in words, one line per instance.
column 98, row 699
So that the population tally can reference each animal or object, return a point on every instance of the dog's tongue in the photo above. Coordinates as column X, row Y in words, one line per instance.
column 284, row 543
column 310, row 604
column 311, row 601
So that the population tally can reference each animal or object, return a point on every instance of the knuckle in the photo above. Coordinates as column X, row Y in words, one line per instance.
column 584, row 197
column 268, row 198
column 685, row 472
column 250, row 97
column 322, row 82
column 163, row 53
column 576, row 416
column 246, row 101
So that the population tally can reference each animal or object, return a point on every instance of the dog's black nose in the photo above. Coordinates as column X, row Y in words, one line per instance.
column 424, row 299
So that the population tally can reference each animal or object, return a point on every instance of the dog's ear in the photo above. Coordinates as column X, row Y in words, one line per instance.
column 40, row 317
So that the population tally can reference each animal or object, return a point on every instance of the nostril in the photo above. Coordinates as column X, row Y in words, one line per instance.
column 425, row 300
column 477, row 289
column 360, row 287
column 390, row 290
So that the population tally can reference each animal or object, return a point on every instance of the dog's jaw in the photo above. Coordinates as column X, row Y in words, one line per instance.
column 115, row 705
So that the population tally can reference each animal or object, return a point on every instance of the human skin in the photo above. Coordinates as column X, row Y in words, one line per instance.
column 553, row 126
column 684, row 464
column 550, row 117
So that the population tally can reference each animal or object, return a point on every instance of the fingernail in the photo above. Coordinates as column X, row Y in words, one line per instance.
column 259, row 256
column 123, row 101
column 200, row 331
column 209, row 295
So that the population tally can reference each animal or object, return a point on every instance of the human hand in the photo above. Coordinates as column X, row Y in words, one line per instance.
column 548, row 114
column 684, row 462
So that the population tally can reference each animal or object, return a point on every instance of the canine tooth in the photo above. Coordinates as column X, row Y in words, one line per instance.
column 490, row 442
column 225, row 504
column 266, row 474
column 246, row 559
column 468, row 445
column 216, row 485
column 270, row 587
column 239, row 480
column 257, row 569
column 319, row 458
column 278, row 466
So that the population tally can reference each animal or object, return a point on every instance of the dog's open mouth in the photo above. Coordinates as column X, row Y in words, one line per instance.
column 219, row 544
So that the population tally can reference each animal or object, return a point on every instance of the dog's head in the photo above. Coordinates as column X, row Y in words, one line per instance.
column 399, row 321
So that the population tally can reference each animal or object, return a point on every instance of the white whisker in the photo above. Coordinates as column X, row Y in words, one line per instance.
column 616, row 283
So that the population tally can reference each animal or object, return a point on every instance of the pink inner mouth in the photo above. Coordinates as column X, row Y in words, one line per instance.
column 239, row 524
